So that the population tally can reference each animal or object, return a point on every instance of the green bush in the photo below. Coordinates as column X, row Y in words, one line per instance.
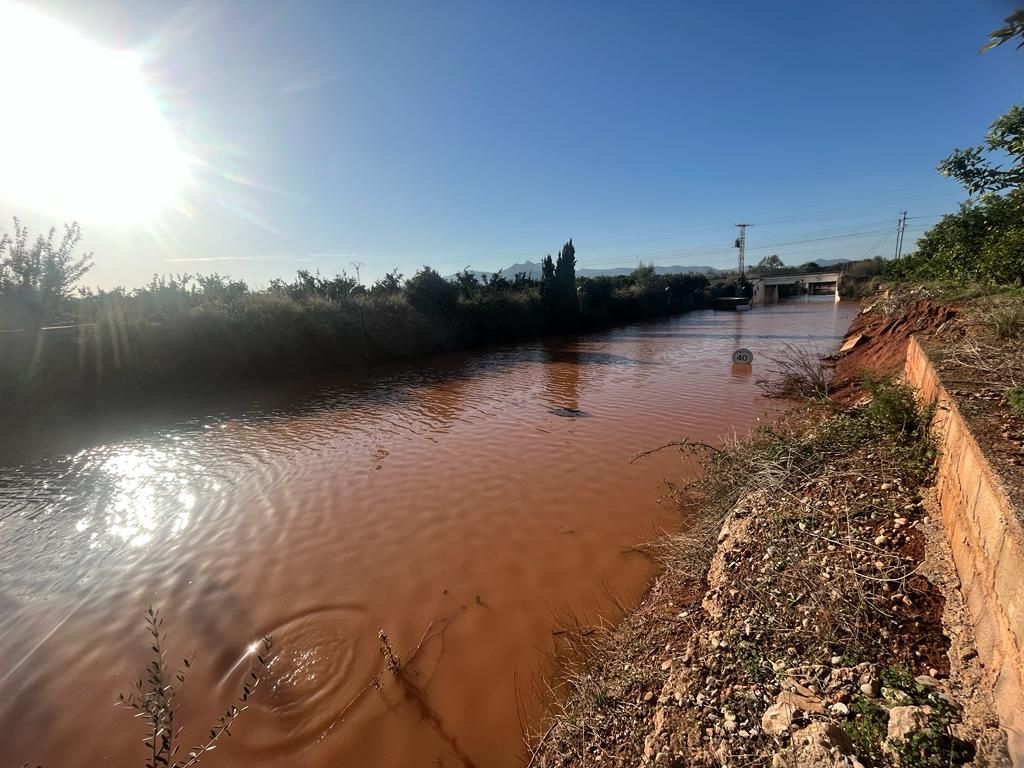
column 431, row 294
column 984, row 240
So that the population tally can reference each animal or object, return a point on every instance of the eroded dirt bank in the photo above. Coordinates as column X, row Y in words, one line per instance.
column 810, row 615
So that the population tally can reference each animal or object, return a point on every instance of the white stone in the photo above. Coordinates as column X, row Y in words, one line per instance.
column 904, row 721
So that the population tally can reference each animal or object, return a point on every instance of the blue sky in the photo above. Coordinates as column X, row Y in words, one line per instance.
column 485, row 133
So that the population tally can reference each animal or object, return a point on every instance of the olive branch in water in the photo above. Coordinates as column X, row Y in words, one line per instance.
column 153, row 698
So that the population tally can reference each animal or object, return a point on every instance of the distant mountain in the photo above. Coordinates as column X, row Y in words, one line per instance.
column 826, row 262
column 532, row 269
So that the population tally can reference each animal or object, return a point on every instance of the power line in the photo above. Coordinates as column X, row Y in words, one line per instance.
column 826, row 234
column 770, row 245
column 901, row 227
column 881, row 240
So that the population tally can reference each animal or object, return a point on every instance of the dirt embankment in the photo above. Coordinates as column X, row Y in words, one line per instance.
column 809, row 614
column 876, row 343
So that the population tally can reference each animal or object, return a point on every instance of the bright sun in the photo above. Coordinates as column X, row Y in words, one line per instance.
column 81, row 136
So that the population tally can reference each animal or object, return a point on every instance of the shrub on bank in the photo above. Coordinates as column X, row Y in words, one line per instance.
column 984, row 240
column 184, row 332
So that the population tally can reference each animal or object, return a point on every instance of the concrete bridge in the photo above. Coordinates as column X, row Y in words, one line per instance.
column 766, row 287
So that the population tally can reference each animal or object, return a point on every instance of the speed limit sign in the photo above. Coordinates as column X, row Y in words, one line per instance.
column 743, row 356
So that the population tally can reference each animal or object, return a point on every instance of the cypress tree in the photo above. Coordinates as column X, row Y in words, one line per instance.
column 565, row 283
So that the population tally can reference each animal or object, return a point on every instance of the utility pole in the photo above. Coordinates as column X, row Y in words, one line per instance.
column 357, row 265
column 741, row 243
column 901, row 227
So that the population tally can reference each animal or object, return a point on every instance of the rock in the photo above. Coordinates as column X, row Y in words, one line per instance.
column 648, row 697
column 819, row 744
column 880, row 540
column 835, row 661
column 804, row 703
column 777, row 718
column 871, row 689
column 839, row 709
column 903, row 721
column 804, row 690
column 895, row 695
column 666, row 665
column 928, row 681
column 852, row 342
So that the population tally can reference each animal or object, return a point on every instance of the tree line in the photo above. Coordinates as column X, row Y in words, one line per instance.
column 183, row 332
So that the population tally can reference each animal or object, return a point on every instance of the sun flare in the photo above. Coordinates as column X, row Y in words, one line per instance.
column 82, row 135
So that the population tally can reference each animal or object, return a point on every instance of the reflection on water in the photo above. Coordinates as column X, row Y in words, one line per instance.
column 446, row 492
column 136, row 476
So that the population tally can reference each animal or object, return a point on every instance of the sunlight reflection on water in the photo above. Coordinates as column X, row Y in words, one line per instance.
column 150, row 491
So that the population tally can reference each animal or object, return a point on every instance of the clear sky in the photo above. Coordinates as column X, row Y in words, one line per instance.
column 484, row 133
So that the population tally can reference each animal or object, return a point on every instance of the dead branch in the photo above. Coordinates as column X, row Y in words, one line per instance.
column 687, row 443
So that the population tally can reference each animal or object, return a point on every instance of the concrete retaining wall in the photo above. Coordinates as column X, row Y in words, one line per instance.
column 986, row 536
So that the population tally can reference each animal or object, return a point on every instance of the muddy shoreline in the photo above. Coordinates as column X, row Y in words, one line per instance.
column 811, row 617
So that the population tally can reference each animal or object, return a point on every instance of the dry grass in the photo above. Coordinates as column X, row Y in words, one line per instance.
column 989, row 351
column 1006, row 321
column 799, row 373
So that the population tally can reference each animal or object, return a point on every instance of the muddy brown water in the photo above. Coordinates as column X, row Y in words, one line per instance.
column 447, row 495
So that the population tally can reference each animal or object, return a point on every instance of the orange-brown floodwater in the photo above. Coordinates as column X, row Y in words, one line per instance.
column 319, row 513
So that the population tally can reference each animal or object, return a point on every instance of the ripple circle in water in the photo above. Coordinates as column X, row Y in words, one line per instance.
column 310, row 676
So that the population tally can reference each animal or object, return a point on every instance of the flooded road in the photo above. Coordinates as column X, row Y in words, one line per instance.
column 447, row 495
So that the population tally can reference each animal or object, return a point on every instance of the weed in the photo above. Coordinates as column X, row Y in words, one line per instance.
column 757, row 668
column 933, row 747
column 601, row 698
column 1006, row 321
column 153, row 698
column 867, row 728
column 894, row 412
column 801, row 374
column 893, row 407
column 899, row 677
column 1015, row 399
